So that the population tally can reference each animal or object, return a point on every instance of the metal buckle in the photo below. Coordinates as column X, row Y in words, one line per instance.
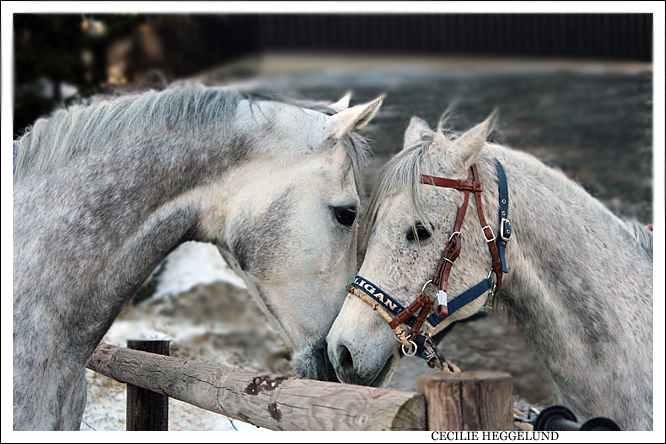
column 505, row 229
column 431, row 290
column 492, row 290
column 491, row 231
column 441, row 299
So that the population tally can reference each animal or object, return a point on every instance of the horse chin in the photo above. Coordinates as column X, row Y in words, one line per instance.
column 312, row 362
column 384, row 376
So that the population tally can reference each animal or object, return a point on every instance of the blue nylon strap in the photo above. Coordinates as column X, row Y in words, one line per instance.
column 442, row 334
column 420, row 347
column 470, row 295
column 505, row 228
column 463, row 299
column 454, row 305
column 394, row 307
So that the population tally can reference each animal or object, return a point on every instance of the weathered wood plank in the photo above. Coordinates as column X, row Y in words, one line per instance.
column 265, row 400
column 468, row 400
column 147, row 410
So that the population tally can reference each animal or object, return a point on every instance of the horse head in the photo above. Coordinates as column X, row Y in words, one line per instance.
column 405, row 229
column 287, row 221
column 103, row 192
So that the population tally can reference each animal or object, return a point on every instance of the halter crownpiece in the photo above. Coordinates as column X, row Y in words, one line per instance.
column 434, row 296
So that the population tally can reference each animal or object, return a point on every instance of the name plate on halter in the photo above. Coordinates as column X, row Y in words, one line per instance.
column 377, row 294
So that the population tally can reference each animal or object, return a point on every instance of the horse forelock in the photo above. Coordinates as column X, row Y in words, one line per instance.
column 402, row 174
column 54, row 140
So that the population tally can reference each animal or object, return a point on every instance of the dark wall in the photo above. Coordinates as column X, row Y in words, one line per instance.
column 595, row 36
column 192, row 43
column 49, row 47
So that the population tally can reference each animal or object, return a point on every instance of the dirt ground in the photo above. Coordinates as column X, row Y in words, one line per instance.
column 596, row 126
column 214, row 323
column 219, row 323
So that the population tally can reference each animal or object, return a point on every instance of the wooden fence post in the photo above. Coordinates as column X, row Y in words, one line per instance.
column 147, row 410
column 467, row 400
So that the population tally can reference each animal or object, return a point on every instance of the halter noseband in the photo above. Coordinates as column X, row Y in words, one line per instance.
column 433, row 293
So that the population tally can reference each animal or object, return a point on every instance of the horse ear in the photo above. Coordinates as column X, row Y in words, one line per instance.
column 358, row 116
column 417, row 126
column 343, row 103
column 464, row 151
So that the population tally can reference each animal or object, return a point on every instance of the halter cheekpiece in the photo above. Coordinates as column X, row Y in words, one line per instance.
column 434, row 297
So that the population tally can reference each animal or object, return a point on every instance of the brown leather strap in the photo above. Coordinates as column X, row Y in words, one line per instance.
column 409, row 311
column 441, row 277
column 488, row 233
column 471, row 184
column 462, row 185
column 421, row 317
column 452, row 250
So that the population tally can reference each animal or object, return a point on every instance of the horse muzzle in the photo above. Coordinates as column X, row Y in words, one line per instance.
column 361, row 347
column 312, row 362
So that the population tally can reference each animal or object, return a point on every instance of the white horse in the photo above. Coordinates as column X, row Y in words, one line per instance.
column 102, row 193
column 579, row 279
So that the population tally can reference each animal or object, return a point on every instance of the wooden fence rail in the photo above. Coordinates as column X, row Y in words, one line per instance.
column 468, row 401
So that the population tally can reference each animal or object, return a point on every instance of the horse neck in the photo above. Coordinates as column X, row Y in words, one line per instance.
column 579, row 284
column 127, row 206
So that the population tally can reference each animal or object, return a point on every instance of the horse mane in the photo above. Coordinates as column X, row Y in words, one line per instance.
column 54, row 140
column 643, row 236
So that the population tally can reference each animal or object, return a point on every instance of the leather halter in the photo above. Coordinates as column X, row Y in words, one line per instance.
column 452, row 250
column 433, row 293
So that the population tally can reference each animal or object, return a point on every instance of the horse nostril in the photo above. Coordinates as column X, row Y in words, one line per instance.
column 345, row 358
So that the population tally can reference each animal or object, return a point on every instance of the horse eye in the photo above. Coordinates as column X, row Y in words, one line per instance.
column 345, row 216
column 421, row 233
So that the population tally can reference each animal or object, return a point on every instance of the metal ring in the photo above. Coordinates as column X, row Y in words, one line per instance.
column 414, row 347
column 425, row 285
column 453, row 234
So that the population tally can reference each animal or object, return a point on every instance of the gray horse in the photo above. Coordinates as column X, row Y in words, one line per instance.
column 103, row 192
column 579, row 279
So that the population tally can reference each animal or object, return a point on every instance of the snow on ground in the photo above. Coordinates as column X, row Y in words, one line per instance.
column 202, row 307
column 191, row 264
column 106, row 411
